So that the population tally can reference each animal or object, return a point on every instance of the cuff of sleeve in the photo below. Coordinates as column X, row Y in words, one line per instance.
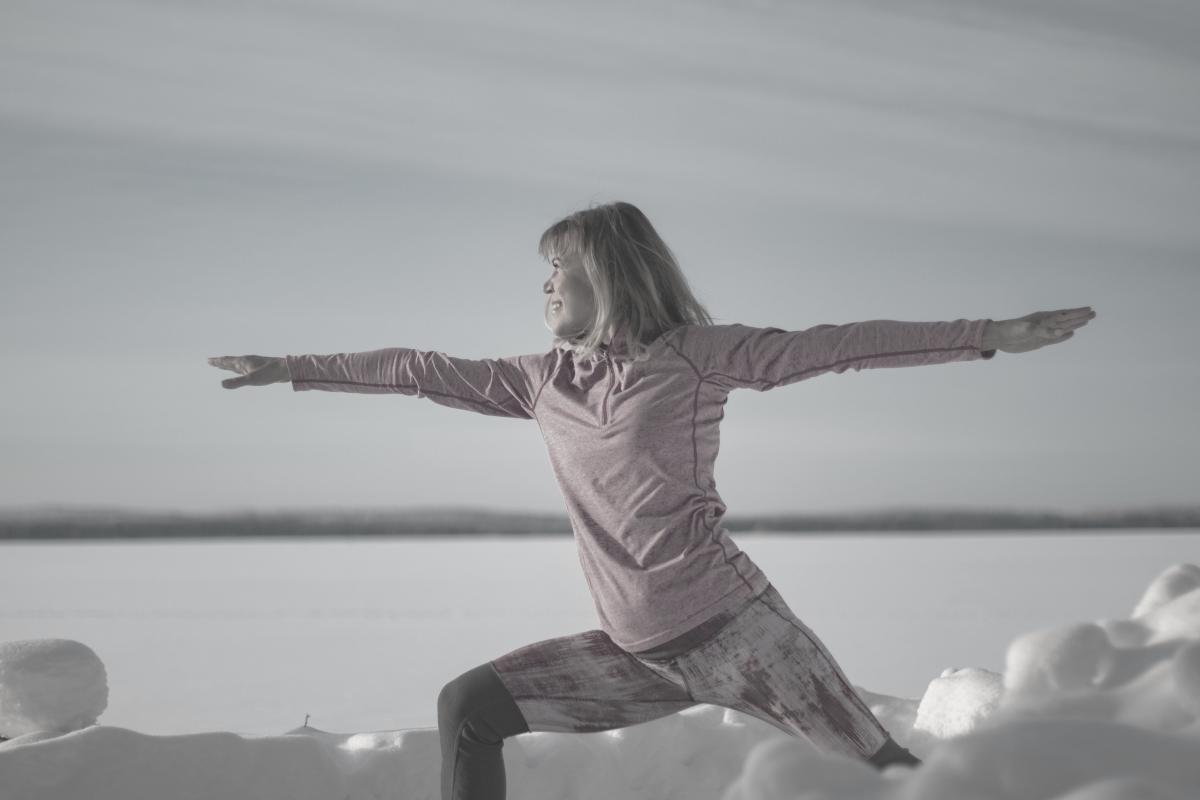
column 985, row 353
column 293, row 367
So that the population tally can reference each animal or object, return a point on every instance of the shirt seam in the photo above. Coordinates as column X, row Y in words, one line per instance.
column 546, row 380
column 709, row 530
column 419, row 391
column 821, row 368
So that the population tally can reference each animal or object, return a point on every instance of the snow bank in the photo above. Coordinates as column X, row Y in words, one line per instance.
column 1093, row 711
column 49, row 685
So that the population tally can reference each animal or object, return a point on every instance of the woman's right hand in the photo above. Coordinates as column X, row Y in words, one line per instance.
column 1036, row 330
column 255, row 370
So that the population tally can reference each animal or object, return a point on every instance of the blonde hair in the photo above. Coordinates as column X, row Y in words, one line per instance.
column 637, row 282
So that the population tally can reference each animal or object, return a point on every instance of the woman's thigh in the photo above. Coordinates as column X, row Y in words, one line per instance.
column 585, row 682
column 769, row 664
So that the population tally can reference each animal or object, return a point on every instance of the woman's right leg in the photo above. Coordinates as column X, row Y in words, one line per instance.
column 579, row 683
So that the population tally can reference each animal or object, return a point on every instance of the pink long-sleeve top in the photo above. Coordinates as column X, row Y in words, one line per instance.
column 633, row 443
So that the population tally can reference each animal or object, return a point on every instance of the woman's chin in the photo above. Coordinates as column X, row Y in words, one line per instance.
column 560, row 330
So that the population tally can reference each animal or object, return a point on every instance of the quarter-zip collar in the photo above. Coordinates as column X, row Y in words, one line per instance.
column 614, row 354
column 617, row 348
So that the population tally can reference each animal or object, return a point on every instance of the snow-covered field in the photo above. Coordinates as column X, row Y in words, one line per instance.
column 1100, row 706
column 250, row 636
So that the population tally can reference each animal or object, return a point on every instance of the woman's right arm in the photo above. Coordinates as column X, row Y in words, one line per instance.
column 504, row 387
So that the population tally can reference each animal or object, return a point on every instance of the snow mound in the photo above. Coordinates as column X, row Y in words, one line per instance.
column 49, row 685
column 958, row 701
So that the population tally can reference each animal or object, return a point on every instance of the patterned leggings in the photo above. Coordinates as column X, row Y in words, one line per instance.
column 759, row 659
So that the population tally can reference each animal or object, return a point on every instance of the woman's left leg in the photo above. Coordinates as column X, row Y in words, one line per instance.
column 769, row 664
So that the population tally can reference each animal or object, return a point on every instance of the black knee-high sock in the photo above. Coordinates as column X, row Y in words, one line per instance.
column 893, row 753
column 475, row 714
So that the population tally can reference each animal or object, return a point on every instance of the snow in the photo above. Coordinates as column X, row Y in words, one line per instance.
column 958, row 701
column 1086, row 711
column 49, row 685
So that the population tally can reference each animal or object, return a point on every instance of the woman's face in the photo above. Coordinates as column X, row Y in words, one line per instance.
column 570, row 302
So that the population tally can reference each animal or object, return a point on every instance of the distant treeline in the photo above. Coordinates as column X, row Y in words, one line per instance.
column 132, row 524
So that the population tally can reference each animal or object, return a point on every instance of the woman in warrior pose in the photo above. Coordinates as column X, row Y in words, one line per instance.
column 629, row 400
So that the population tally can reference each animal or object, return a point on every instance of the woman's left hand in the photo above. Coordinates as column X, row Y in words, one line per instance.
column 1035, row 330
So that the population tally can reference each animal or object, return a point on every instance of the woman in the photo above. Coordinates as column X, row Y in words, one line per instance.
column 629, row 400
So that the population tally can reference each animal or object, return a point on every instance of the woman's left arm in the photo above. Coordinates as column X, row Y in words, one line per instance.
column 1035, row 330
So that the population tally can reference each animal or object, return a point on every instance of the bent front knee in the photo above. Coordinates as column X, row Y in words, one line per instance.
column 478, row 703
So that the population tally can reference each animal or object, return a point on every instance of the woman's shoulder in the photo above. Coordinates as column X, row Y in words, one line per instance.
column 709, row 334
column 711, row 346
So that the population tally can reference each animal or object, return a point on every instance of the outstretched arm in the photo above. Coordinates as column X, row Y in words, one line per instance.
column 741, row 356
column 494, row 386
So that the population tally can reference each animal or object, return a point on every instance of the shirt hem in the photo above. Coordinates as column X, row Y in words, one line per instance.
column 743, row 593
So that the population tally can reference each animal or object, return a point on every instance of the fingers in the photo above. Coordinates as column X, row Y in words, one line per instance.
column 231, row 363
column 1083, row 314
column 1061, row 324
column 262, row 376
column 242, row 365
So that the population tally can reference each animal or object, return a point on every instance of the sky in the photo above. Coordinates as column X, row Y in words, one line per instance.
column 185, row 180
